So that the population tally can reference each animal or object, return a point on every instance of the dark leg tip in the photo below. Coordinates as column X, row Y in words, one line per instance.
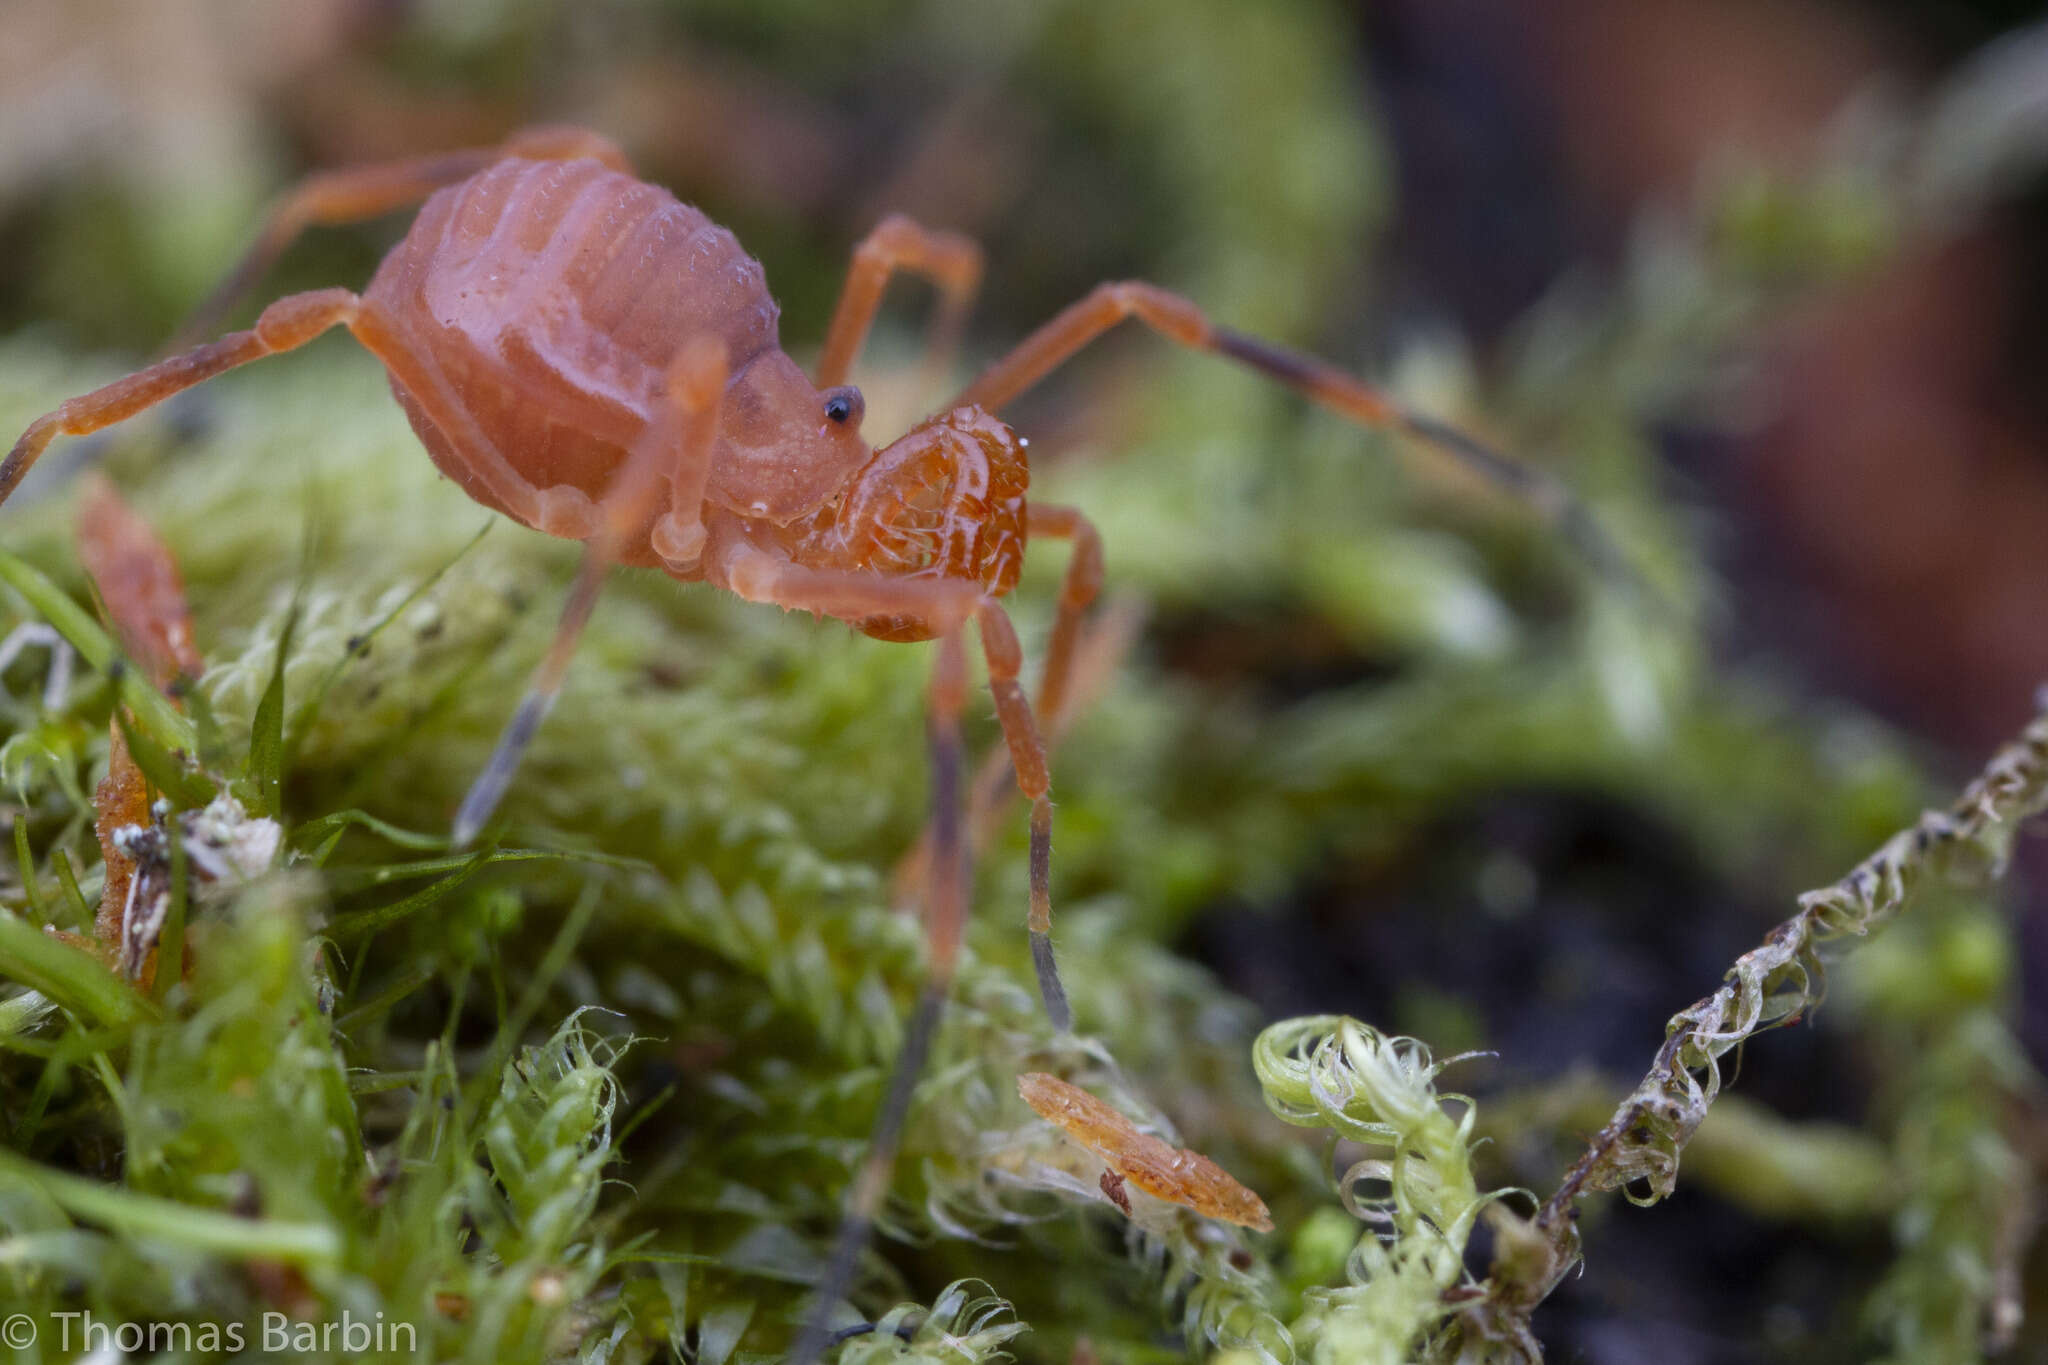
column 903, row 1332
column 1050, row 988
column 489, row 787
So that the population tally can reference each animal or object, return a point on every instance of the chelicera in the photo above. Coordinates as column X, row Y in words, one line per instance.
column 597, row 360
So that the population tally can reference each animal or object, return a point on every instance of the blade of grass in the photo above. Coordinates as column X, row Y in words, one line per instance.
column 74, row 1045
column 622, row 1258
column 54, row 1073
column 187, row 790
column 27, row 867
column 96, row 647
column 266, row 732
column 351, row 878
column 145, row 1215
column 330, row 827
column 381, row 1082
column 363, row 923
column 309, row 710
column 68, row 879
column 213, row 745
column 393, row 991
column 117, row 1094
column 552, row 964
column 70, row 976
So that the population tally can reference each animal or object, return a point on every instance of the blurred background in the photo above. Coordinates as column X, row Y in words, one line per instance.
column 1342, row 177
column 1767, row 278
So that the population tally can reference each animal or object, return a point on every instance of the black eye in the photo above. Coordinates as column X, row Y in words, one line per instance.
column 843, row 405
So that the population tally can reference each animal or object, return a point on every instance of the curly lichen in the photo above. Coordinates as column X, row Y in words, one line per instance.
column 1952, row 1282
column 1424, row 1201
column 1780, row 980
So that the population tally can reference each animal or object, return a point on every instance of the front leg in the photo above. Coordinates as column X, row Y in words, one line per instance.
column 1034, row 780
column 680, row 441
column 1179, row 320
column 926, row 607
column 945, row 921
column 1078, row 589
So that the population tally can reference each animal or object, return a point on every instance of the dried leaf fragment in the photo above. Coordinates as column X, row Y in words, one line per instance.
column 120, row 802
column 139, row 582
column 1152, row 1164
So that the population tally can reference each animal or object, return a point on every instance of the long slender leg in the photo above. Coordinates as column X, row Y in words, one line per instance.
column 1078, row 591
column 674, row 450
column 1079, row 588
column 1096, row 657
column 1180, row 320
column 285, row 325
column 945, row 919
column 355, row 193
column 759, row 575
column 1027, row 758
column 947, row 259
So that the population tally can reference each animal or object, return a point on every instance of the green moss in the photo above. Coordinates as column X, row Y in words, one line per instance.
column 597, row 1089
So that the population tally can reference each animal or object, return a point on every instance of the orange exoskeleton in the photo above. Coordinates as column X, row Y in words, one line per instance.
column 599, row 361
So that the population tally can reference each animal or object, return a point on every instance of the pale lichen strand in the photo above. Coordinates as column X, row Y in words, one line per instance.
column 1774, row 984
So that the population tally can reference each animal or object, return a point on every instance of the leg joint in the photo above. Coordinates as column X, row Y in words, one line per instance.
column 298, row 318
column 565, row 142
column 953, row 261
column 1172, row 314
column 891, row 240
column 1084, row 570
column 999, row 642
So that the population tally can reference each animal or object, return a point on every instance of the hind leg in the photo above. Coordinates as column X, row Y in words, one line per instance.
column 950, row 261
column 285, row 325
column 355, row 193
column 673, row 457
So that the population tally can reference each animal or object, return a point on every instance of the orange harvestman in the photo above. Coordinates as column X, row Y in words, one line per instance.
column 595, row 359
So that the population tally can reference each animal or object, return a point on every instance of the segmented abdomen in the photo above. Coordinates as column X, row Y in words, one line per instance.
column 530, row 314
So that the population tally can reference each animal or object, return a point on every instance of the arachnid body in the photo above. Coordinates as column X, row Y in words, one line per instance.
column 599, row 361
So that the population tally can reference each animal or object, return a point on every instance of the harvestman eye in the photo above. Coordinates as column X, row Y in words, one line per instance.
column 844, row 405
